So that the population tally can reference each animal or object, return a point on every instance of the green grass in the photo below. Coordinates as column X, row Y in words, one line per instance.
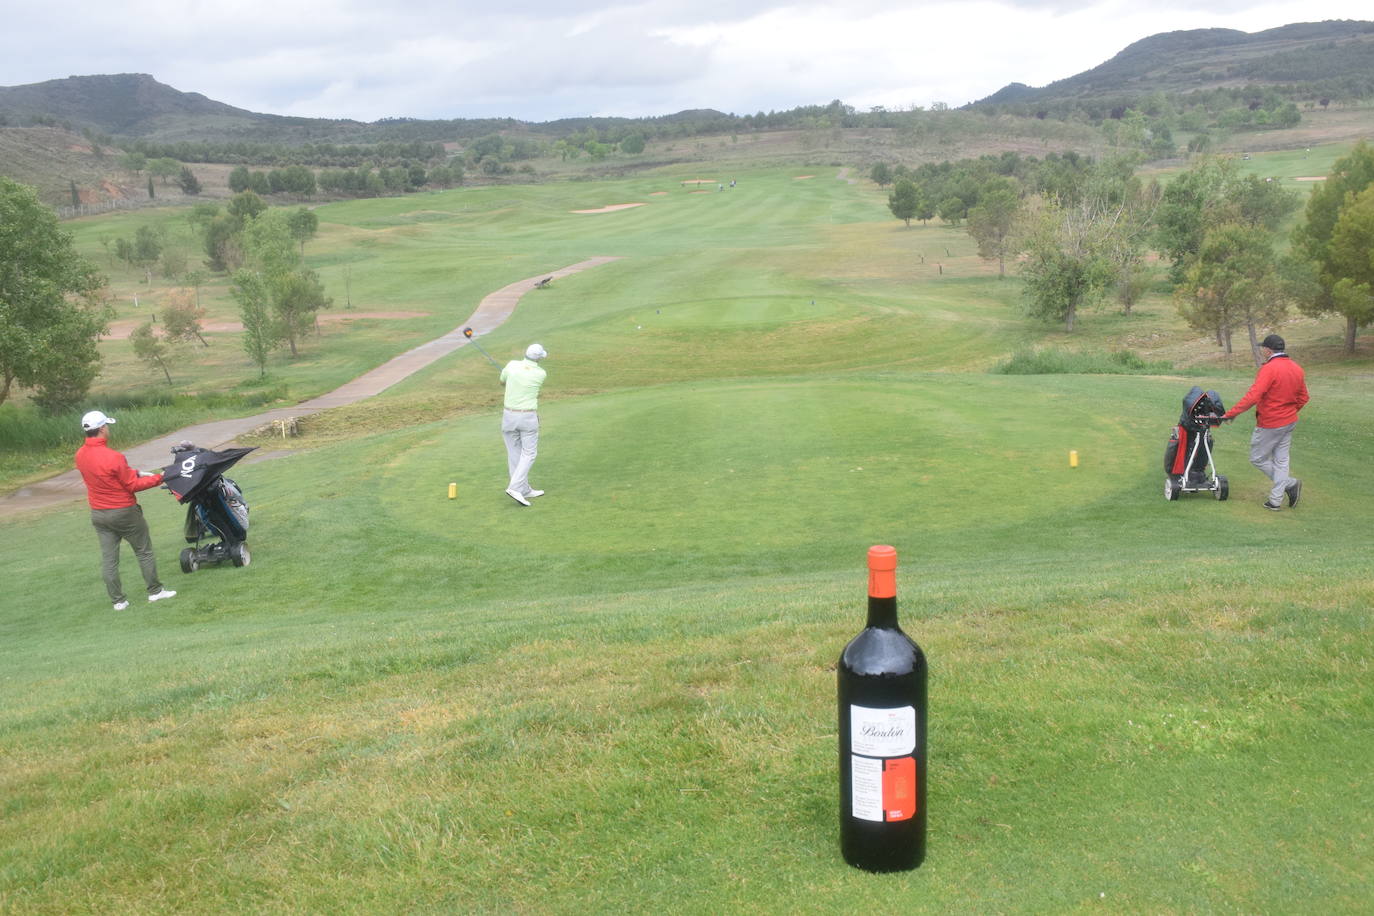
column 622, row 699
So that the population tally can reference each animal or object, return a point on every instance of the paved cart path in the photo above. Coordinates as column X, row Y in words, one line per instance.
column 491, row 312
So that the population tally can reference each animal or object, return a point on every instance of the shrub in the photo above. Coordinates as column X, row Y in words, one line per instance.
column 1050, row 361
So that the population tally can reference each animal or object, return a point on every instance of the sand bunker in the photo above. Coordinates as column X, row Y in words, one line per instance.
column 803, row 177
column 657, row 193
column 611, row 208
column 120, row 330
column 1312, row 178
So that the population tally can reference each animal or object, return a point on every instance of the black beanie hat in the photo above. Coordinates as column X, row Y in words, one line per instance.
column 1273, row 342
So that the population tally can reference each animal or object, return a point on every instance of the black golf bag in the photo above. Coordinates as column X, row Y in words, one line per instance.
column 215, row 507
column 1188, row 455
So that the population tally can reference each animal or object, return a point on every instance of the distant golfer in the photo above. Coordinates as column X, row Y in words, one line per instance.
column 115, row 512
column 520, row 421
column 1279, row 392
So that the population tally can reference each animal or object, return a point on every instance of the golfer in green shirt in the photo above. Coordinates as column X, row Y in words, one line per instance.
column 520, row 421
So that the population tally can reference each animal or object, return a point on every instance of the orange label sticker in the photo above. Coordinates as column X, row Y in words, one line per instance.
column 899, row 789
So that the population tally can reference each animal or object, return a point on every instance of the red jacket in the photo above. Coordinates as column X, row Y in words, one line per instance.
column 1280, row 391
column 110, row 482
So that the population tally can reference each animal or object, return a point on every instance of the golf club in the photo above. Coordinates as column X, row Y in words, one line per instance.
column 467, row 332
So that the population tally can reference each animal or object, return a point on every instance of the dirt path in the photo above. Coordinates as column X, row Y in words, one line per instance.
column 491, row 312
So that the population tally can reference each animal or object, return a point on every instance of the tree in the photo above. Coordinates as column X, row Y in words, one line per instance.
column 303, row 224
column 297, row 298
column 133, row 161
column 1344, row 187
column 1211, row 193
column 881, row 174
column 260, row 336
column 245, row 207
column 164, row 168
column 1352, row 263
column 903, row 200
column 991, row 222
column 181, row 319
column 1233, row 279
column 147, row 248
column 293, row 294
column 151, row 348
column 952, row 209
column 238, row 179
column 173, row 263
column 1067, row 266
column 50, row 316
column 633, row 144
column 189, row 183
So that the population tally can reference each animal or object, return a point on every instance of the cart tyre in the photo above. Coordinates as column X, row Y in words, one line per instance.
column 238, row 555
column 1172, row 488
column 188, row 560
column 1222, row 489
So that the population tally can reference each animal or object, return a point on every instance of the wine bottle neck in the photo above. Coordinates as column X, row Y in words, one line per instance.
column 882, row 612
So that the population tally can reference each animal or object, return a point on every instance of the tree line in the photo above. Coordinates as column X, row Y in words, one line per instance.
column 1081, row 230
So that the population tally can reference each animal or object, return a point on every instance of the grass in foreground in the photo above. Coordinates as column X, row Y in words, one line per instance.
column 623, row 698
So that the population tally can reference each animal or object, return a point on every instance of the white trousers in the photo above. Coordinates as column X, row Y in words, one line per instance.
column 1269, row 452
column 521, row 432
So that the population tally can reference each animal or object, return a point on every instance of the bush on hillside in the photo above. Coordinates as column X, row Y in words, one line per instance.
column 1050, row 361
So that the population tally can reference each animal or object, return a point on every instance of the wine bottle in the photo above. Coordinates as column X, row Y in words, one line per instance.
column 882, row 703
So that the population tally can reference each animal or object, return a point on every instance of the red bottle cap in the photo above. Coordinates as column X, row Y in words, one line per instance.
column 882, row 572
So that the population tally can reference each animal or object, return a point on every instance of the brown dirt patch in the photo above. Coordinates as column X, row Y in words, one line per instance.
column 120, row 330
column 610, row 209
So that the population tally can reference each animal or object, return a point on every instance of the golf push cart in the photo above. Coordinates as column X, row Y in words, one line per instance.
column 1188, row 463
column 214, row 505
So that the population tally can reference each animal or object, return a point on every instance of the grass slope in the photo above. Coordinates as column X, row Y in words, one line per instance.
column 623, row 697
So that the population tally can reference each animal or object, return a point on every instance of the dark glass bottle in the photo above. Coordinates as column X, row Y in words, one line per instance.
column 882, row 699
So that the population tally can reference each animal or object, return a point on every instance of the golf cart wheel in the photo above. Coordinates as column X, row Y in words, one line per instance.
column 1222, row 489
column 189, row 564
column 1172, row 487
column 238, row 555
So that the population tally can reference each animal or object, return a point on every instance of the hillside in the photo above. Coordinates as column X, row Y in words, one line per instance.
column 1311, row 53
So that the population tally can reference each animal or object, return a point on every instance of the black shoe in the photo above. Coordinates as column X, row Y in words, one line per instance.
column 1294, row 493
column 1273, row 507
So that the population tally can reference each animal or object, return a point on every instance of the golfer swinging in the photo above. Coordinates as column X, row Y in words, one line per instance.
column 520, row 421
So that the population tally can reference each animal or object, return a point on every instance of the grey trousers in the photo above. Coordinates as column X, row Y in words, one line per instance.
column 1269, row 453
column 521, row 432
column 128, row 524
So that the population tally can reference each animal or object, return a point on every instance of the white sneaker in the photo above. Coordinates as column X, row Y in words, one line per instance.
column 121, row 605
column 533, row 493
column 517, row 497
column 165, row 593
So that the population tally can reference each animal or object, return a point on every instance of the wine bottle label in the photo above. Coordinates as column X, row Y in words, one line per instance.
column 883, row 790
column 882, row 732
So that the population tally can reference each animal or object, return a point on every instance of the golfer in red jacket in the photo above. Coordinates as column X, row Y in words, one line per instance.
column 115, row 512
column 1279, row 392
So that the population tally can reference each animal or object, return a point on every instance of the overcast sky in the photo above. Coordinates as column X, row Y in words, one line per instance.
column 538, row 60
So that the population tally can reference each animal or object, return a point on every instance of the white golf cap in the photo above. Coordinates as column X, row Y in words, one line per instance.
column 535, row 351
column 94, row 420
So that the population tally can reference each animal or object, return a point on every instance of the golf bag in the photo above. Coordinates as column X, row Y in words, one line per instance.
column 215, row 507
column 1188, row 455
